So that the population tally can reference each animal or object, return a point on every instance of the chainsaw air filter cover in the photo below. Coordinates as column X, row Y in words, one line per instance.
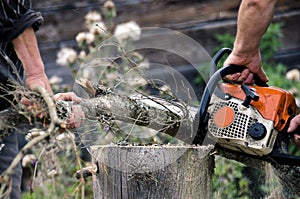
column 240, row 128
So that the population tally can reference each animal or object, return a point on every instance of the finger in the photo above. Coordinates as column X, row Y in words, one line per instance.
column 57, row 96
column 26, row 101
column 74, row 122
column 70, row 122
column 67, row 96
column 236, row 76
column 70, row 96
column 240, row 77
column 262, row 75
column 249, row 80
column 296, row 139
column 75, row 98
column 292, row 128
column 76, row 117
column 233, row 77
column 79, row 116
column 295, row 122
column 244, row 75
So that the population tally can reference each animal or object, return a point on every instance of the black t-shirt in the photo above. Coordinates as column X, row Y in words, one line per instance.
column 15, row 17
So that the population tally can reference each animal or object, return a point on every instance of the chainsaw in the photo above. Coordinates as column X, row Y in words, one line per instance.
column 251, row 120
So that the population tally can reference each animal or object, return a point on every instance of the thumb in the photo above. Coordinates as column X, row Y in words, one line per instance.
column 26, row 101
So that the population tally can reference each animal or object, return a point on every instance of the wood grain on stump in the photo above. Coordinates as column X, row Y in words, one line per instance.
column 162, row 171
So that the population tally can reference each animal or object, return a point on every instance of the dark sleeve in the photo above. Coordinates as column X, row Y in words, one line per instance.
column 15, row 17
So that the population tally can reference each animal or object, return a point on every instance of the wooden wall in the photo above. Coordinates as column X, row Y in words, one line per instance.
column 200, row 19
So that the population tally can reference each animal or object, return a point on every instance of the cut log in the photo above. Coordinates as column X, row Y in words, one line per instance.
column 169, row 117
column 152, row 172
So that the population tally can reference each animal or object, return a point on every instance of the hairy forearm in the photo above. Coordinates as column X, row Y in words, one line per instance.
column 27, row 51
column 253, row 20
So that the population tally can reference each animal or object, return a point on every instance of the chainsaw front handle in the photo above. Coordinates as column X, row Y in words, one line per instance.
column 211, row 85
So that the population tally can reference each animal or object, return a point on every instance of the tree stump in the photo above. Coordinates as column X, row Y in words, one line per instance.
column 151, row 172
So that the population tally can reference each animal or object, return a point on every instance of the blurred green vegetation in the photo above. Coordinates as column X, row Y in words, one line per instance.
column 64, row 183
column 228, row 180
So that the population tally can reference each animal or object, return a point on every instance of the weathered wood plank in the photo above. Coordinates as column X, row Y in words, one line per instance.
column 64, row 19
column 67, row 16
column 201, row 20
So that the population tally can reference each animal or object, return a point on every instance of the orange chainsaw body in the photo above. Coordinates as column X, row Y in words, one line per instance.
column 274, row 104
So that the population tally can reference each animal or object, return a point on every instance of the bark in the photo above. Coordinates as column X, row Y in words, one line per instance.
column 153, row 172
column 173, row 118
